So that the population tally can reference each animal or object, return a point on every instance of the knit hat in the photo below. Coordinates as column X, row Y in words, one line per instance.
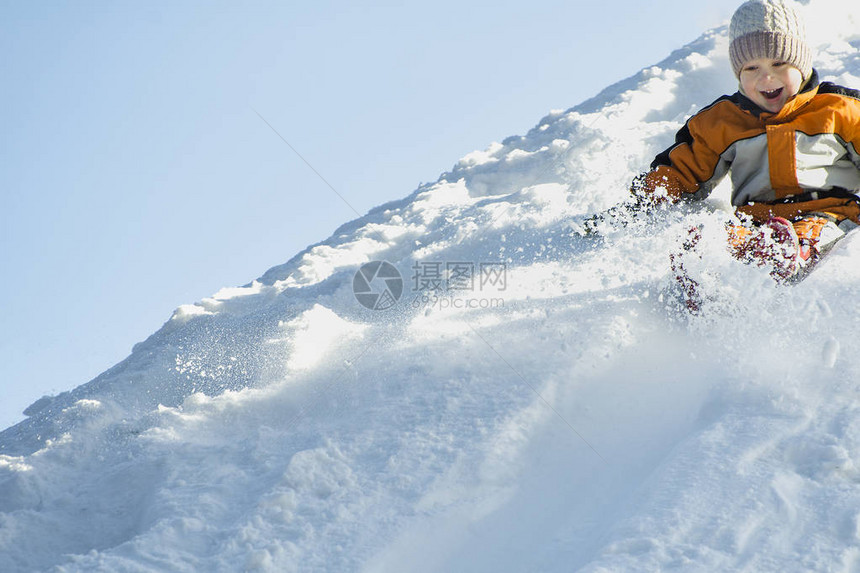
column 768, row 29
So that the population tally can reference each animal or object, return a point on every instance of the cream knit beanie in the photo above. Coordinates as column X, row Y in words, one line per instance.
column 768, row 29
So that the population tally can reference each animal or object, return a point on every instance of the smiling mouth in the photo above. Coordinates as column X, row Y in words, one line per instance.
column 772, row 95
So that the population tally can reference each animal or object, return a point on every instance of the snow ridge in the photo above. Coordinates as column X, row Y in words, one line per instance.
column 556, row 416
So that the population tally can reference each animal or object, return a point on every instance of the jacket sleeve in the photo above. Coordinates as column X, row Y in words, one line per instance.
column 690, row 168
column 851, row 113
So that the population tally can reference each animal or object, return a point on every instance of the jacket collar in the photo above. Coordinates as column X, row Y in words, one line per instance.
column 807, row 92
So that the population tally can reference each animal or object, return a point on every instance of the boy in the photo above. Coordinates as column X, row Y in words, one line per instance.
column 790, row 144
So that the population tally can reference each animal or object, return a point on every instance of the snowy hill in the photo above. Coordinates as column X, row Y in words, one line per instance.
column 547, row 410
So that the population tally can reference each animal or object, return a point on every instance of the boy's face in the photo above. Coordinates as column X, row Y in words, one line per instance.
column 770, row 83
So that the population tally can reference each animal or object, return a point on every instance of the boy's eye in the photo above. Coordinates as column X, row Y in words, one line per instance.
column 750, row 68
column 778, row 64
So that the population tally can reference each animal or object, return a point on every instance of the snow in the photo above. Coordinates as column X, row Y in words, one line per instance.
column 579, row 423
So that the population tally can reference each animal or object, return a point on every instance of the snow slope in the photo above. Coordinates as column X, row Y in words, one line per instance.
column 566, row 418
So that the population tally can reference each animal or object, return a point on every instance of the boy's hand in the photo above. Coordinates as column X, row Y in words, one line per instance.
column 645, row 196
column 643, row 201
column 619, row 215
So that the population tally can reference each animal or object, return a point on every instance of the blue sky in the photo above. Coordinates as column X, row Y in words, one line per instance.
column 137, row 175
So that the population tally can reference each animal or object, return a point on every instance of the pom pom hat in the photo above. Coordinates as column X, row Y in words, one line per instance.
column 768, row 29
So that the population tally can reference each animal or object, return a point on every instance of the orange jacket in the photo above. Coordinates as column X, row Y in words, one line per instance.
column 804, row 158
